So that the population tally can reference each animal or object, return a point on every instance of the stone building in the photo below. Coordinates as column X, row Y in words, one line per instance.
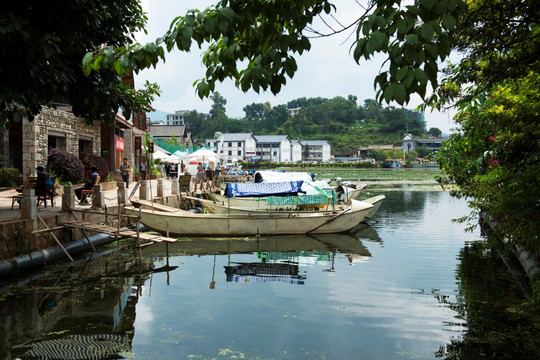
column 26, row 145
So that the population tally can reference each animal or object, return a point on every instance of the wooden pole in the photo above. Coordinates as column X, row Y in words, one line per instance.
column 118, row 226
column 167, row 244
column 83, row 231
column 55, row 238
column 138, row 224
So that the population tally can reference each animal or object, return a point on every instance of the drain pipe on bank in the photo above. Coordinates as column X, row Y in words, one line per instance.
column 26, row 262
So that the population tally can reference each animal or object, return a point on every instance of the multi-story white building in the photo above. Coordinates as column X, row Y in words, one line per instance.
column 178, row 117
column 296, row 151
column 315, row 150
column 233, row 147
column 273, row 148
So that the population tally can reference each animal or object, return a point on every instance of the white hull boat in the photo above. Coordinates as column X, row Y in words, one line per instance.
column 185, row 223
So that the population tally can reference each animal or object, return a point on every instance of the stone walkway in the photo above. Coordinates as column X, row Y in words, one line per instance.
column 111, row 199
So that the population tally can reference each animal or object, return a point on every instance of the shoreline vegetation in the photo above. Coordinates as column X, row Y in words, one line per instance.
column 376, row 178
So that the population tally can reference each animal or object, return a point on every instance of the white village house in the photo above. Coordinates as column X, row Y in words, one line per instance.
column 232, row 147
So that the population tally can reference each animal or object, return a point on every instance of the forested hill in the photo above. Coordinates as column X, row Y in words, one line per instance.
column 344, row 123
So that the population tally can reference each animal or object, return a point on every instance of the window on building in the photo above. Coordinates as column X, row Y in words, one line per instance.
column 85, row 145
column 56, row 140
column 229, row 144
column 230, row 152
column 239, row 152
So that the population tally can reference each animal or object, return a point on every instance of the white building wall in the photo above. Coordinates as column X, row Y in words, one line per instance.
column 250, row 147
column 285, row 151
column 296, row 152
column 326, row 152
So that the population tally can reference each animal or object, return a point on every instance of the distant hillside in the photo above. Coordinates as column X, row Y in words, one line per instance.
column 158, row 115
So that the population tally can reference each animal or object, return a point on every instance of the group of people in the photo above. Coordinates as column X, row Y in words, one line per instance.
column 45, row 184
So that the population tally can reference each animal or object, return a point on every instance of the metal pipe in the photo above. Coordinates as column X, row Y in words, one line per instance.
column 25, row 262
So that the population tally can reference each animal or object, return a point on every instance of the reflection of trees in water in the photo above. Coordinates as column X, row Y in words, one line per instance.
column 92, row 303
column 501, row 325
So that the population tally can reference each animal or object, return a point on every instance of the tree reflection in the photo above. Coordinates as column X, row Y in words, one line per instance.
column 501, row 323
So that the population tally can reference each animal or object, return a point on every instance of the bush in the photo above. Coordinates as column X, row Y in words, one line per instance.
column 9, row 177
column 66, row 166
column 100, row 163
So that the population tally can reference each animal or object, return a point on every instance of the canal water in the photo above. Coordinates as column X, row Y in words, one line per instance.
column 411, row 286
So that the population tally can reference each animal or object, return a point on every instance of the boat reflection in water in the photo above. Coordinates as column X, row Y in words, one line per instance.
column 283, row 266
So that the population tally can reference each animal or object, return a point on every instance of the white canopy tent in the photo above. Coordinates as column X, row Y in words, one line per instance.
column 203, row 156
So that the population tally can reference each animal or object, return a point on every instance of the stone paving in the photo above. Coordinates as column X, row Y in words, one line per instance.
column 110, row 197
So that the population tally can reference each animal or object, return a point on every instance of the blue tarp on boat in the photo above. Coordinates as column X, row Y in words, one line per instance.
column 264, row 189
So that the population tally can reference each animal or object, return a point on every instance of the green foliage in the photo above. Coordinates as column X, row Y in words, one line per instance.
column 254, row 43
column 340, row 121
column 423, row 151
column 434, row 132
column 495, row 157
column 499, row 40
column 9, row 177
column 43, row 45
column 495, row 160
column 414, row 37
column 65, row 165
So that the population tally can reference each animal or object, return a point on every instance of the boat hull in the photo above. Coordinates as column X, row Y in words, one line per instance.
column 185, row 223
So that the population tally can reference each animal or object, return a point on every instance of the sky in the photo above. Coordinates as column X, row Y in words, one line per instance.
column 327, row 70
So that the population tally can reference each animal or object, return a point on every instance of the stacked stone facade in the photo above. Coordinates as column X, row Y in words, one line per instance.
column 36, row 133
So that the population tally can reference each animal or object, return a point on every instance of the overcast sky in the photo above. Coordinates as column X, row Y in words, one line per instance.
column 327, row 70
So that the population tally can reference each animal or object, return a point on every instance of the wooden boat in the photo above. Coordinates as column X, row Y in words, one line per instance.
column 376, row 201
column 317, row 201
column 215, row 207
column 192, row 224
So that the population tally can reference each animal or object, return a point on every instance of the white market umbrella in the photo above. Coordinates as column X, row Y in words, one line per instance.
column 160, row 155
column 173, row 159
column 202, row 155
column 180, row 154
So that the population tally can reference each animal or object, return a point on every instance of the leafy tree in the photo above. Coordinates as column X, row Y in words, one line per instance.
column 423, row 151
column 254, row 42
column 494, row 157
column 42, row 46
column 378, row 155
column 495, row 160
column 218, row 106
column 434, row 132
column 255, row 111
column 194, row 122
column 372, row 109
column 274, row 118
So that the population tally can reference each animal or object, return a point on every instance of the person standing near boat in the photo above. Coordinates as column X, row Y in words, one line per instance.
column 143, row 167
column 200, row 173
column 125, row 169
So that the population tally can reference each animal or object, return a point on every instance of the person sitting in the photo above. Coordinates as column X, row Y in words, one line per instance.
column 44, row 186
column 41, row 182
column 89, row 184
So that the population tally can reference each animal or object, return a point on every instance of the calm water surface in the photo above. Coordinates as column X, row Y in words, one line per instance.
column 382, row 292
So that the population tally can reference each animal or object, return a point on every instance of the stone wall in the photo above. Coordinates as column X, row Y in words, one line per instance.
column 36, row 133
